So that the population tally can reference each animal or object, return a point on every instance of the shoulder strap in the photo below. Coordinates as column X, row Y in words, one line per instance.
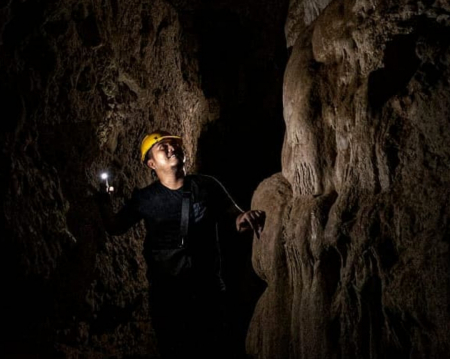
column 185, row 206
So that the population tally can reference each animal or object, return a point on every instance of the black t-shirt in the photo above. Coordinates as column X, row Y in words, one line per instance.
column 199, row 258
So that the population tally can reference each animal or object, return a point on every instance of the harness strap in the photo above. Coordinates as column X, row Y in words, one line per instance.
column 185, row 206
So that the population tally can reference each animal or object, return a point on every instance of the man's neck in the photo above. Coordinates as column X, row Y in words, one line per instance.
column 173, row 180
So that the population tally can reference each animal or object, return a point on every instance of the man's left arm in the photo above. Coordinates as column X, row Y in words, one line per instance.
column 245, row 221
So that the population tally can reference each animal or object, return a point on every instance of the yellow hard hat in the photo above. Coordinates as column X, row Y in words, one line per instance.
column 150, row 140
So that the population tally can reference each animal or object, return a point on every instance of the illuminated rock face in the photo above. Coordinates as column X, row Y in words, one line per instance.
column 356, row 253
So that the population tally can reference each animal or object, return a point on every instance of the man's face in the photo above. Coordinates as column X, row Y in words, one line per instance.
column 166, row 154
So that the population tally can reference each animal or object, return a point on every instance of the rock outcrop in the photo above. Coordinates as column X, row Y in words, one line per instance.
column 356, row 253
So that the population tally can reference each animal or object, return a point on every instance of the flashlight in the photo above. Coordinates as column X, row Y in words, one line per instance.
column 104, row 176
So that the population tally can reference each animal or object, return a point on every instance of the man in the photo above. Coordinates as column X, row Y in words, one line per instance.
column 182, row 214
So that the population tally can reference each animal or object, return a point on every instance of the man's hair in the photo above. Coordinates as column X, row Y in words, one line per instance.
column 148, row 155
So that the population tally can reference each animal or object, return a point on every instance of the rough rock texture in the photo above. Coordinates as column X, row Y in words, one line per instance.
column 80, row 83
column 356, row 252
column 300, row 14
column 83, row 81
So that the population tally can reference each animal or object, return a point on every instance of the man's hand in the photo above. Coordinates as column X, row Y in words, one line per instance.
column 106, row 188
column 253, row 220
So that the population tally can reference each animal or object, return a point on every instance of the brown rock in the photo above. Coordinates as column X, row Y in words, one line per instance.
column 364, row 247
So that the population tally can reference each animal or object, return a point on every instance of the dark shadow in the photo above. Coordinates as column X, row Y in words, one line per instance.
column 400, row 64
column 243, row 146
column 241, row 63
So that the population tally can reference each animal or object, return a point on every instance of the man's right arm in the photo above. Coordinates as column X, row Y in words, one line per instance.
column 117, row 223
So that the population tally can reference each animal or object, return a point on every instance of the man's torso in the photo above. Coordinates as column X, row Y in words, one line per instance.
column 198, row 258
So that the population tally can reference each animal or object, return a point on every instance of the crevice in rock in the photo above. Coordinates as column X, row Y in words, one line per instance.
column 372, row 316
column 89, row 32
column 400, row 64
column 146, row 26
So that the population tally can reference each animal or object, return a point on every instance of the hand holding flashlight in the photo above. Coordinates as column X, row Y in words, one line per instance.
column 109, row 188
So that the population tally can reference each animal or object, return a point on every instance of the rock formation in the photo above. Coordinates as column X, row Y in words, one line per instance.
column 356, row 253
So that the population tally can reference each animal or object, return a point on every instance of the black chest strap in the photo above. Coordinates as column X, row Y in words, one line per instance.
column 185, row 206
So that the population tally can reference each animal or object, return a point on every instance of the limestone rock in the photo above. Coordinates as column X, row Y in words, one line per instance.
column 363, row 241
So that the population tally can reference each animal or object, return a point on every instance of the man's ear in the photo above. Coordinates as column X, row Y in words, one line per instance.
column 151, row 164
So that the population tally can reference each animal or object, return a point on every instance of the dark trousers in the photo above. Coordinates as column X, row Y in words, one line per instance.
column 189, row 321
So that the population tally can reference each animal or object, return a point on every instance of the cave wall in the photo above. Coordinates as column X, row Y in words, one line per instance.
column 81, row 82
column 356, row 249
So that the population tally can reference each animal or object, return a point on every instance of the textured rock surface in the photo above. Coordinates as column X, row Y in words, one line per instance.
column 83, row 82
column 300, row 14
column 80, row 83
column 356, row 253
